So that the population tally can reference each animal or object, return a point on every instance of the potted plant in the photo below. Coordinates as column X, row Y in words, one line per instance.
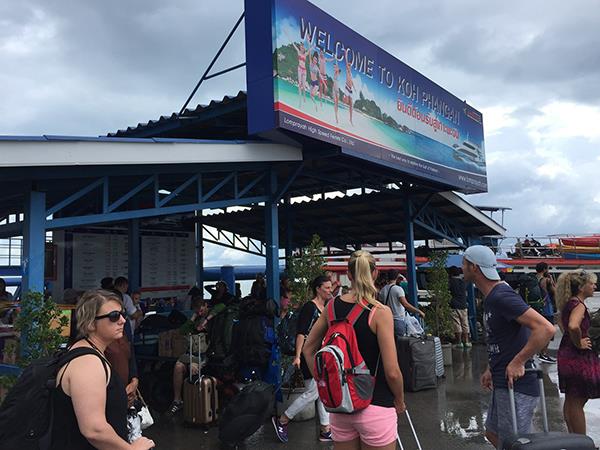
column 438, row 316
column 39, row 324
column 302, row 270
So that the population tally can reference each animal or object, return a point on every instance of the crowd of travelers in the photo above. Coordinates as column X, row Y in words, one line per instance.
column 96, row 390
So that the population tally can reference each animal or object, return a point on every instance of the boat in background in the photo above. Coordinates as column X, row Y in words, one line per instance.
column 582, row 241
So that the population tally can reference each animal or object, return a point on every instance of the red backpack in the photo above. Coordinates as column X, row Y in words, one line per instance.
column 343, row 379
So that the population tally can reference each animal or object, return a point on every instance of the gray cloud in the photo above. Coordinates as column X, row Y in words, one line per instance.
column 89, row 68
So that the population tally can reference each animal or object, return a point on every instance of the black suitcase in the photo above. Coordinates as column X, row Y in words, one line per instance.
column 546, row 440
column 416, row 357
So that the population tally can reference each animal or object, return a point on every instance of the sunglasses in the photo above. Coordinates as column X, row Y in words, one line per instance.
column 113, row 316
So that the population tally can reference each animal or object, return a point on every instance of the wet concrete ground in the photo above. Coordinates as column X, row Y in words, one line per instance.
column 450, row 417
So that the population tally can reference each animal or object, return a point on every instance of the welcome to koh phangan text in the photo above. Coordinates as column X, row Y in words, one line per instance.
column 411, row 91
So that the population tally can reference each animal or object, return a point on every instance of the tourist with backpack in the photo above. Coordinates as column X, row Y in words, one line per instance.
column 90, row 403
column 356, row 369
column 547, row 291
column 88, row 406
column 310, row 312
column 393, row 296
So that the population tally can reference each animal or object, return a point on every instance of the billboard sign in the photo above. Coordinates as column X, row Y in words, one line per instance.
column 310, row 74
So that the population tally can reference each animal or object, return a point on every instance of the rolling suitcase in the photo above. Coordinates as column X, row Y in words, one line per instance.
column 546, row 440
column 416, row 357
column 200, row 397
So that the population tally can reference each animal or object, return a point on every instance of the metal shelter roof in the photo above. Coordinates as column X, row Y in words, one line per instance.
column 355, row 219
column 213, row 139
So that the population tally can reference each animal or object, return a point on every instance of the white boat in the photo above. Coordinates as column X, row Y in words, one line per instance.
column 469, row 152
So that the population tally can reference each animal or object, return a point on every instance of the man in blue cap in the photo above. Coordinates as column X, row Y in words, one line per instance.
column 515, row 333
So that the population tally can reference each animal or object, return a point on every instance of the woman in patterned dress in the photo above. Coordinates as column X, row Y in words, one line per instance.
column 578, row 365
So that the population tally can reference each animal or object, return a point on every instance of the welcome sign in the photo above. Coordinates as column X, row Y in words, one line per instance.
column 310, row 74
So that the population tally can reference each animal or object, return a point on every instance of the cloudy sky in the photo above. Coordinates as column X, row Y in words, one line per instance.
column 532, row 68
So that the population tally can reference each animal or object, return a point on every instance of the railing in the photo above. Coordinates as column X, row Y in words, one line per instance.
column 535, row 247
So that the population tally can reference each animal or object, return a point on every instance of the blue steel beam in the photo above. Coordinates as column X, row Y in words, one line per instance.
column 443, row 227
column 76, row 196
column 409, row 242
column 251, row 184
column 136, row 190
column 272, row 239
column 105, row 195
column 34, row 239
column 234, row 240
column 218, row 187
column 67, row 222
column 199, row 243
column 288, row 183
column 11, row 229
column 437, row 232
column 177, row 191
column 134, row 254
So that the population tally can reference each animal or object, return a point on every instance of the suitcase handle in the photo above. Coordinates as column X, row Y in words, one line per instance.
column 413, row 432
column 190, row 350
column 513, row 409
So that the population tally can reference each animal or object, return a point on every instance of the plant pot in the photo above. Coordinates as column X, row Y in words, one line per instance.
column 288, row 398
column 447, row 354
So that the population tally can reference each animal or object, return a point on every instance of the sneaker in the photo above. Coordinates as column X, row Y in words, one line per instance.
column 280, row 429
column 325, row 436
column 468, row 345
column 458, row 346
column 547, row 359
column 176, row 406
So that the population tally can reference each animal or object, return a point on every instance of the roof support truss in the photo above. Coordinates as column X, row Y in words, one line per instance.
column 116, row 206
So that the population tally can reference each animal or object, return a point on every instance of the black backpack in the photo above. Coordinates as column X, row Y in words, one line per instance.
column 529, row 289
column 286, row 333
column 594, row 331
column 254, row 335
column 254, row 340
column 27, row 414
column 220, row 333
column 246, row 412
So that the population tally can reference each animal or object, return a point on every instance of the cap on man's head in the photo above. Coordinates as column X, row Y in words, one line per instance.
column 485, row 259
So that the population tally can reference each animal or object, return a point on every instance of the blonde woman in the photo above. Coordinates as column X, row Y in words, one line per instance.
column 578, row 365
column 90, row 405
column 375, row 427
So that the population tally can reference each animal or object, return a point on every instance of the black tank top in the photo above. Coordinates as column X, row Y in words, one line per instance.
column 65, row 432
column 369, row 349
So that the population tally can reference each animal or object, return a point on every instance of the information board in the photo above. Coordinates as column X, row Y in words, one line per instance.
column 167, row 259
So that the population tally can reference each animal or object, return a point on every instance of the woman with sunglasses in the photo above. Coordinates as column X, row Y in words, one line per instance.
column 90, row 403
column 578, row 364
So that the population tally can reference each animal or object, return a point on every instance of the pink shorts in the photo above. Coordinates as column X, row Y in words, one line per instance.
column 376, row 426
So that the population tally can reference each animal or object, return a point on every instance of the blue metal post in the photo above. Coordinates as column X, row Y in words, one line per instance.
column 134, row 255
column 34, row 238
column 409, row 242
column 272, row 240
column 289, row 233
column 199, row 242
column 471, row 301
column 472, row 307
column 228, row 276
